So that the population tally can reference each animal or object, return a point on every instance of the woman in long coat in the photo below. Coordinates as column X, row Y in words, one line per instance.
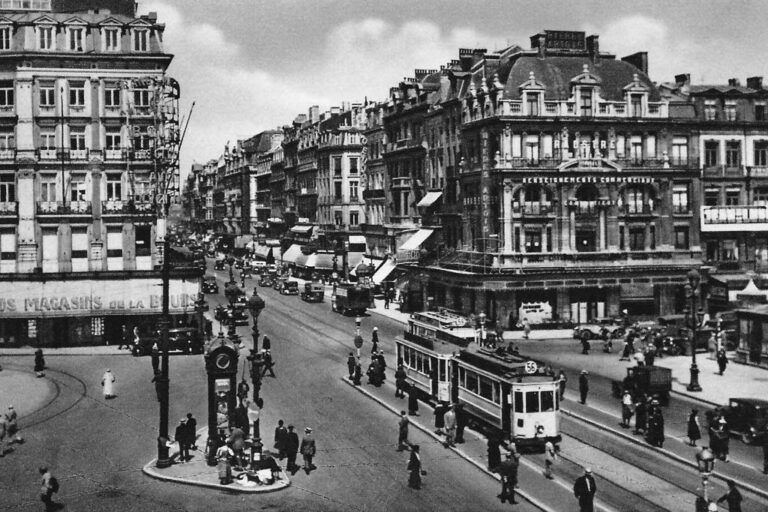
column 108, row 382
column 494, row 453
column 694, row 430
column 414, row 466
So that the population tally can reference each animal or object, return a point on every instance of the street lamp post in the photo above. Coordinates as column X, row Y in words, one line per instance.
column 255, row 305
column 231, row 262
column 705, row 460
column 694, row 317
column 482, row 319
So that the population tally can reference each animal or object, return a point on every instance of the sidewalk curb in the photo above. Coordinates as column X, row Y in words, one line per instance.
column 695, row 398
column 149, row 470
column 530, row 499
column 53, row 352
column 759, row 492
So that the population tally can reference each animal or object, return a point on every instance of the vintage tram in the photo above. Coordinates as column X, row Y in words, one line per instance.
column 503, row 393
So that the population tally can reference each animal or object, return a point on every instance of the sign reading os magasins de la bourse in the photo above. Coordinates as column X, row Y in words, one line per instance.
column 27, row 299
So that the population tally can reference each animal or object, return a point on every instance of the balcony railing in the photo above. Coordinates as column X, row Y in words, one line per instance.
column 533, row 208
column 637, row 209
column 114, row 154
column 60, row 208
column 48, row 154
column 758, row 171
column 78, row 154
column 9, row 208
column 8, row 154
column 401, row 182
column 533, row 162
column 141, row 154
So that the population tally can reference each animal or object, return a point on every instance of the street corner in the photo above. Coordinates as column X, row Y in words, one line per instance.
column 25, row 391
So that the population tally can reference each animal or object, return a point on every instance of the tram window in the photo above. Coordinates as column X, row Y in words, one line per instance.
column 547, row 401
column 557, row 401
column 418, row 361
column 496, row 393
column 532, row 401
column 442, row 369
column 472, row 382
column 462, row 377
column 486, row 388
column 519, row 401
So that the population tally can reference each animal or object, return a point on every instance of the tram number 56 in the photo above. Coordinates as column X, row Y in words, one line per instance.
column 531, row 367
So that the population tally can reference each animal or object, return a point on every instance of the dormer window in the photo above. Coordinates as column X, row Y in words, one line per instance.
column 760, row 111
column 76, row 39
column 5, row 38
column 532, row 103
column 140, row 40
column 45, row 37
column 636, row 105
column 111, row 39
column 585, row 102
column 730, row 110
column 710, row 110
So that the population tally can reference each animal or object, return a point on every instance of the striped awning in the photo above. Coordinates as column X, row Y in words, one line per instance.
column 291, row 254
column 384, row 272
column 324, row 261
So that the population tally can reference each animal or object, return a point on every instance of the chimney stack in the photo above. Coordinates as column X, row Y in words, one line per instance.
column 593, row 47
column 755, row 82
column 639, row 60
column 539, row 41
column 314, row 113
column 734, row 82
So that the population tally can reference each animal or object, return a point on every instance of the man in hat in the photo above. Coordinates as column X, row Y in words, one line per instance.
column 732, row 497
column 192, row 430
column 351, row 363
column 268, row 364
column 583, row 386
column 375, row 342
column 308, row 449
column 291, row 449
column 584, row 489
column 508, row 472
column 182, row 437
column 402, row 437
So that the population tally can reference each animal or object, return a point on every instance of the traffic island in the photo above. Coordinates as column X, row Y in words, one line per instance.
column 197, row 472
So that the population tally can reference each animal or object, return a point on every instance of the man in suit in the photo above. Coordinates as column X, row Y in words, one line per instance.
column 291, row 449
column 308, row 450
column 508, row 472
column 584, row 489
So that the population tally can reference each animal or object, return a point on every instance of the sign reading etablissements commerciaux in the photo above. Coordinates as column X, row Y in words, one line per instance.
column 93, row 297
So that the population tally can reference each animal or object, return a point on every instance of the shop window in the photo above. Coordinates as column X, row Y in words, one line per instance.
column 711, row 197
column 143, row 240
column 97, row 326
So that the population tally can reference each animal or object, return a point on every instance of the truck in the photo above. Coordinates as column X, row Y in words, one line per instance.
column 649, row 380
column 349, row 298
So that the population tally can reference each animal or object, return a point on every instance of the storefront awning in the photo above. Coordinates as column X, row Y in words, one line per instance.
column 276, row 253
column 384, row 272
column 429, row 199
column 354, row 259
column 291, row 254
column 416, row 240
column 262, row 251
column 302, row 230
column 367, row 263
column 309, row 261
column 301, row 260
column 324, row 261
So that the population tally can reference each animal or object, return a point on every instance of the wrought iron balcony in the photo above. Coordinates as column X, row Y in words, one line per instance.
column 533, row 208
column 8, row 154
column 141, row 154
column 61, row 208
column 114, row 154
column 78, row 154
column 9, row 209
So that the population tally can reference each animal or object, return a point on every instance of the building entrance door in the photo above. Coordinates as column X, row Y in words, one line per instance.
column 586, row 240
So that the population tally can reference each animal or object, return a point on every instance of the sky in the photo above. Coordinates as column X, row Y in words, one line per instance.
column 254, row 65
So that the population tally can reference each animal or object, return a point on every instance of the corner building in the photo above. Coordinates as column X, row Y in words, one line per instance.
column 79, row 242
column 578, row 185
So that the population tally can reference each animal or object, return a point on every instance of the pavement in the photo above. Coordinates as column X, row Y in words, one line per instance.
column 197, row 472
column 36, row 392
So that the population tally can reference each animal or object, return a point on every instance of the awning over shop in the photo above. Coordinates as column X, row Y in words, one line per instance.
column 292, row 254
column 242, row 240
column 310, row 261
column 251, row 246
column 416, row 240
column 262, row 251
column 384, row 272
column 276, row 253
column 324, row 261
column 429, row 199
column 750, row 292
column 302, row 230
column 367, row 264
column 301, row 260
column 354, row 259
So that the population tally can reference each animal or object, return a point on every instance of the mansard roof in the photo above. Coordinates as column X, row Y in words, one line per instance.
column 556, row 73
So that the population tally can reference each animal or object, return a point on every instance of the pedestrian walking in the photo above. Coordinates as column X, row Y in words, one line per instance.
column 39, row 363
column 563, row 381
column 583, row 386
column 650, row 355
column 402, row 436
column 50, row 486
column 351, row 363
column 641, row 415
column 549, row 459
column 656, row 428
column 732, row 497
column 508, row 472
column 722, row 360
column 375, row 341
column 439, row 412
column 585, row 346
column 461, row 422
column 269, row 364
column 526, row 328
column 182, row 437
column 382, row 366
column 224, row 456
column 308, row 449
column 413, row 401
column 415, row 468
column 373, row 372
column 124, row 338
column 400, row 379
column 291, row 449
column 694, row 429
column 108, row 383
column 242, row 390
column 386, row 300
column 266, row 343
column 192, row 428
column 584, row 489
column 639, row 356
column 11, row 427
column 494, row 452
column 154, row 354
column 627, row 406
column 358, row 374
column 281, row 439
column 449, row 420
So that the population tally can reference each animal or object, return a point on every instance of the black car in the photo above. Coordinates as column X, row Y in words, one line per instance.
column 745, row 417
column 210, row 285
column 238, row 313
column 219, row 265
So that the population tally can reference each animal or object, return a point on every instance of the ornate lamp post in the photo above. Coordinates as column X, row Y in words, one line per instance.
column 231, row 262
column 694, row 318
column 705, row 460
column 255, row 305
column 482, row 319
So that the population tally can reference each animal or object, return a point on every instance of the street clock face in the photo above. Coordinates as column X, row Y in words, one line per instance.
column 223, row 361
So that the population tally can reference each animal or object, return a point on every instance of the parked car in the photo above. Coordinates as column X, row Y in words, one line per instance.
column 238, row 313
column 239, row 263
column 210, row 285
column 745, row 417
column 651, row 380
column 258, row 266
column 313, row 292
column 219, row 265
column 594, row 329
column 290, row 288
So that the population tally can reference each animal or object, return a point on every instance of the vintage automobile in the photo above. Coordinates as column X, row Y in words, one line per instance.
column 313, row 292
column 239, row 263
column 649, row 380
column 267, row 278
column 246, row 272
column 278, row 283
column 210, row 285
column 594, row 329
column 290, row 287
column 745, row 417
column 182, row 339
column 350, row 299
column 258, row 266
column 219, row 265
column 238, row 312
